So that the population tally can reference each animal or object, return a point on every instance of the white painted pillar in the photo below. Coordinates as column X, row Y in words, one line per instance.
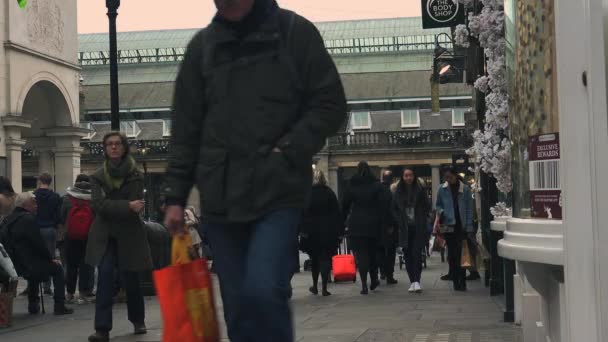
column 332, row 179
column 436, row 180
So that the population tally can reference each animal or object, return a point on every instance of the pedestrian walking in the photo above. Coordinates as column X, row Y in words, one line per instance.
column 320, row 231
column 118, row 237
column 266, row 69
column 411, row 209
column 23, row 240
column 48, row 216
column 455, row 211
column 77, row 217
column 366, row 211
column 387, row 249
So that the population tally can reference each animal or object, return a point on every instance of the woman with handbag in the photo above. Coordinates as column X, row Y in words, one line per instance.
column 455, row 213
column 411, row 209
column 320, row 231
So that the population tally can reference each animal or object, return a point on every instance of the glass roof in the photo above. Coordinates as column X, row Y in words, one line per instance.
column 341, row 38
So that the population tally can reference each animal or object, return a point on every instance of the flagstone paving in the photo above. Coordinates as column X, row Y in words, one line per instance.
column 390, row 314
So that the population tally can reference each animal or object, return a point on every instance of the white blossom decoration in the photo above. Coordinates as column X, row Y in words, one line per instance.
column 491, row 149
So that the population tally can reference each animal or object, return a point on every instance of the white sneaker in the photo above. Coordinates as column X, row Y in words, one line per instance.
column 412, row 288
column 417, row 287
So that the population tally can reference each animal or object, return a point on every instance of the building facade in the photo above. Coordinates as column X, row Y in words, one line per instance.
column 385, row 66
column 39, row 91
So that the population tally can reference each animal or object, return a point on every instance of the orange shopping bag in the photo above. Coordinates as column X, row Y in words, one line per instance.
column 185, row 293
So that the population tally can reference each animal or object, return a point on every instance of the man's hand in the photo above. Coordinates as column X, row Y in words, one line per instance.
column 56, row 262
column 276, row 150
column 137, row 206
column 174, row 219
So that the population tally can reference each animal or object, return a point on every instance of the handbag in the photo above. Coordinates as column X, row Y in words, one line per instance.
column 439, row 244
column 185, row 294
column 443, row 227
column 466, row 259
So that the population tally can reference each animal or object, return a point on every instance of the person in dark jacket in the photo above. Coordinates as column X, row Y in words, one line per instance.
column 387, row 250
column 411, row 208
column 118, row 236
column 75, row 249
column 366, row 213
column 31, row 255
column 320, row 231
column 455, row 210
column 266, row 69
column 49, row 205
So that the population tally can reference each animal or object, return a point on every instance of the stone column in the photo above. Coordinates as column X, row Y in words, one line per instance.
column 67, row 155
column 45, row 160
column 14, row 148
column 13, row 124
column 67, row 167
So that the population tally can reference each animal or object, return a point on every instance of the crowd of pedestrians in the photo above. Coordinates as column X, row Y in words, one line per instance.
column 255, row 181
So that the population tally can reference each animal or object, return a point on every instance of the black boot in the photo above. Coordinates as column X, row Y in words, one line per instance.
column 100, row 336
column 374, row 285
column 33, row 307
column 390, row 280
column 61, row 309
column 140, row 329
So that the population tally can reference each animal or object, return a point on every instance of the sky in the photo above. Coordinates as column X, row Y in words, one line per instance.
column 142, row 15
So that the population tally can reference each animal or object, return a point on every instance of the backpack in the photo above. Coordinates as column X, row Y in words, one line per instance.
column 79, row 219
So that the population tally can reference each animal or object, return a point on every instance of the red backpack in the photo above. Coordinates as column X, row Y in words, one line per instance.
column 79, row 219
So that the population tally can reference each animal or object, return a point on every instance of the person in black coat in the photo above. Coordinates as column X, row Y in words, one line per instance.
column 31, row 256
column 320, row 230
column 387, row 250
column 366, row 212
column 411, row 208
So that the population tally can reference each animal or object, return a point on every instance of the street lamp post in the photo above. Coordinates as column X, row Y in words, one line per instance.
column 112, row 6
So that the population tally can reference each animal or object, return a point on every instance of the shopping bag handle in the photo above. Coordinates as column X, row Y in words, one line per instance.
column 180, row 249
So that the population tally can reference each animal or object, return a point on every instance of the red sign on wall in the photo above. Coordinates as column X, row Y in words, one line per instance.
column 545, row 183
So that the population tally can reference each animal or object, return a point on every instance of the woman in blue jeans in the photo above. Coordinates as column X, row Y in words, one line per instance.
column 455, row 210
column 117, row 238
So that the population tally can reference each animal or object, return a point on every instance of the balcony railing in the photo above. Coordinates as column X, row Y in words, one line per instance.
column 414, row 139
column 444, row 138
column 139, row 148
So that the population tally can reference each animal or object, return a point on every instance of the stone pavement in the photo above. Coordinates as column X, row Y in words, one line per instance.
column 390, row 314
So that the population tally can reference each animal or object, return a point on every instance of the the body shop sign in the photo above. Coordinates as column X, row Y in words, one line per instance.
column 442, row 13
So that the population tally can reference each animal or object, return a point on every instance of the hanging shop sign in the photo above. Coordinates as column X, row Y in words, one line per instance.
column 442, row 13
column 545, row 183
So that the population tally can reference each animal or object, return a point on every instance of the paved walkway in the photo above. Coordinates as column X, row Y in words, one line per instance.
column 390, row 314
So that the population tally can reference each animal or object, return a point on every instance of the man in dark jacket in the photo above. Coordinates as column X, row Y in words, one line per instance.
column 387, row 251
column 49, row 205
column 31, row 255
column 255, row 100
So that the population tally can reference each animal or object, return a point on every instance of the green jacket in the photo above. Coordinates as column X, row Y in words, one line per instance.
column 238, row 98
column 114, row 219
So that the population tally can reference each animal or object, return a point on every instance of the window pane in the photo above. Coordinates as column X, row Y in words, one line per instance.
column 166, row 128
column 360, row 120
column 458, row 117
column 410, row 118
